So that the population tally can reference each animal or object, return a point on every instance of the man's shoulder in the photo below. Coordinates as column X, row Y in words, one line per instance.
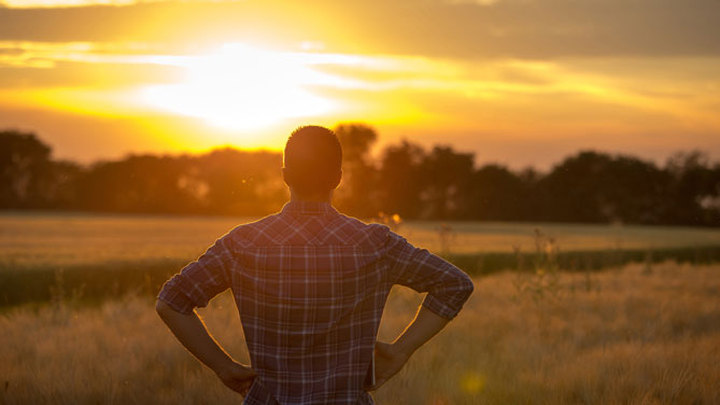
column 247, row 233
column 359, row 232
column 340, row 228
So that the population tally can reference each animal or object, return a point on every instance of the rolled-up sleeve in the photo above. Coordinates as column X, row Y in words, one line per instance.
column 198, row 282
column 447, row 286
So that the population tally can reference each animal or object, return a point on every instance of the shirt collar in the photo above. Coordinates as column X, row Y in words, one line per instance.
column 299, row 207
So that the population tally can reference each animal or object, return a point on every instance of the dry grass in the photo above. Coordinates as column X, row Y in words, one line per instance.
column 636, row 335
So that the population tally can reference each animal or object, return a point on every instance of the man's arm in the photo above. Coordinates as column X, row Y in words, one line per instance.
column 391, row 357
column 448, row 288
column 190, row 330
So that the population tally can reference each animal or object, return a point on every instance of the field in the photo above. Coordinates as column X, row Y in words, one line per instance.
column 640, row 334
column 32, row 240
column 78, row 324
column 93, row 257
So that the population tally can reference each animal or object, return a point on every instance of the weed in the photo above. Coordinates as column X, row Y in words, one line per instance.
column 544, row 281
column 447, row 236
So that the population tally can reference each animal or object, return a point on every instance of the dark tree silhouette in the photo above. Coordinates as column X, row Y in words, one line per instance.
column 357, row 193
column 241, row 182
column 138, row 183
column 693, row 189
column 25, row 170
column 497, row 194
column 406, row 179
column 447, row 184
column 224, row 181
column 596, row 187
column 400, row 181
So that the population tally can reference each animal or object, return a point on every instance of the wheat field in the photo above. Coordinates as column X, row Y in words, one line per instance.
column 637, row 335
column 30, row 240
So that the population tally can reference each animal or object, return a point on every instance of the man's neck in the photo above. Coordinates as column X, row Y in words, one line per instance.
column 311, row 198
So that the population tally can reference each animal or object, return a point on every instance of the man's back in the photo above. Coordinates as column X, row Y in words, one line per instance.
column 310, row 285
column 311, row 296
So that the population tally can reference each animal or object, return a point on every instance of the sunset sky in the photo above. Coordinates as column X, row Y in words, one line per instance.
column 519, row 82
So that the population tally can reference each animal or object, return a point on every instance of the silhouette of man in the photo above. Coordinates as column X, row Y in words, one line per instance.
column 310, row 285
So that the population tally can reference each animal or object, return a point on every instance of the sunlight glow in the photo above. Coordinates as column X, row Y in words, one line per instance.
column 238, row 94
column 241, row 87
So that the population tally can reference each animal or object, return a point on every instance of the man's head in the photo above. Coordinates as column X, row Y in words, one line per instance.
column 312, row 161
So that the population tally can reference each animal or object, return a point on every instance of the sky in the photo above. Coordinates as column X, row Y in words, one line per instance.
column 517, row 82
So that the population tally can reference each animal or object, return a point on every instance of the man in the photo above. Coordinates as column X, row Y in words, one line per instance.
column 310, row 285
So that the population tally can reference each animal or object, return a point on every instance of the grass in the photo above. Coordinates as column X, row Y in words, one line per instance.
column 645, row 334
column 94, row 257
column 92, row 283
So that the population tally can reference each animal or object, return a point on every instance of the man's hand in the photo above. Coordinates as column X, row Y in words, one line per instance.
column 389, row 360
column 237, row 377
column 190, row 330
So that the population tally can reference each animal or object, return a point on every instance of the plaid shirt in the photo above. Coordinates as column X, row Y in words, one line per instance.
column 310, row 285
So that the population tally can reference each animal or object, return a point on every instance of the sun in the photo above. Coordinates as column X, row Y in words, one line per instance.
column 241, row 87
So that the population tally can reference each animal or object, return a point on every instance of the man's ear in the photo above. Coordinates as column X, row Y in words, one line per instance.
column 285, row 176
column 336, row 180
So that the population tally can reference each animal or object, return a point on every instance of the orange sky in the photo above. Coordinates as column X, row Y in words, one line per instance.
column 520, row 82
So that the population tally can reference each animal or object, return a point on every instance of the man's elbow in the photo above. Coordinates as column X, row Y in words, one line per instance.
column 466, row 287
column 163, row 309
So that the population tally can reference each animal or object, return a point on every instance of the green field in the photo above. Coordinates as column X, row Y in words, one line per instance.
column 44, row 256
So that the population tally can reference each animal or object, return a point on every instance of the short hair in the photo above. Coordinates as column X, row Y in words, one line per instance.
column 312, row 160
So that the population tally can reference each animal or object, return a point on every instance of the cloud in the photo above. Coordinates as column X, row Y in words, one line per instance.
column 62, row 3
column 506, row 67
column 20, row 4
column 25, row 64
column 529, row 29
column 383, row 81
column 26, row 53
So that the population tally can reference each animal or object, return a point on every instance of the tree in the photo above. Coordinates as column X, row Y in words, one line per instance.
column 400, row 179
column 61, row 189
column 357, row 194
column 447, row 177
column 25, row 170
column 406, row 179
column 497, row 194
column 693, row 190
column 597, row 187
column 242, row 182
column 138, row 183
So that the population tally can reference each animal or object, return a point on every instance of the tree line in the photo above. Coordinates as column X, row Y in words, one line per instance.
column 403, row 178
